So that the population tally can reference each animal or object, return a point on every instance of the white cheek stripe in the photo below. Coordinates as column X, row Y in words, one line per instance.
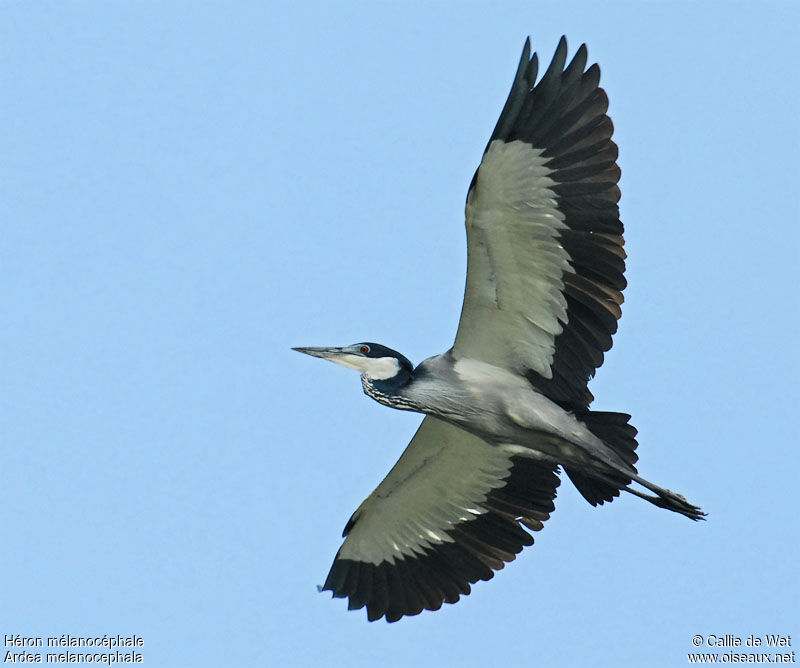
column 379, row 368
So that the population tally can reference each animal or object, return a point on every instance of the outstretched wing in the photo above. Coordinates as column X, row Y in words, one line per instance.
column 448, row 514
column 545, row 270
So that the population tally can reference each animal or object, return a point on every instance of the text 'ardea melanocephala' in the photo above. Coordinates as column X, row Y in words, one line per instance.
column 508, row 404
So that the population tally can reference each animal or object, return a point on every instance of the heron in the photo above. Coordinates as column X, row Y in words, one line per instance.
column 507, row 406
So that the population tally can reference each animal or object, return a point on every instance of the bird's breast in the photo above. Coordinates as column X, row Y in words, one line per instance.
column 510, row 406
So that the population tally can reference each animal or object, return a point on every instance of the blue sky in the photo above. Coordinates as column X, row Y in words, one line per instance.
column 190, row 189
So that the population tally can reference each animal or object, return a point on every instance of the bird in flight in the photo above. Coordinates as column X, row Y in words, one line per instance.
column 507, row 407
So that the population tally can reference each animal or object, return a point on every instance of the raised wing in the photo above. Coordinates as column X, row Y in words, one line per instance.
column 545, row 269
column 446, row 515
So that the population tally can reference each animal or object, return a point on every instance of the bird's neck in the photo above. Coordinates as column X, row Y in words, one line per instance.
column 390, row 391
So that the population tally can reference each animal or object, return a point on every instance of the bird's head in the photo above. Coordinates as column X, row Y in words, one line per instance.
column 374, row 361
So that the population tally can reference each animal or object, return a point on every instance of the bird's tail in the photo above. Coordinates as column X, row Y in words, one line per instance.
column 615, row 431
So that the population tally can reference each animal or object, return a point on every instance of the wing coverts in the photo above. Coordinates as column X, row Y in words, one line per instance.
column 546, row 259
column 448, row 514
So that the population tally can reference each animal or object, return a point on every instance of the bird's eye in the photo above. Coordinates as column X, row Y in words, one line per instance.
column 364, row 349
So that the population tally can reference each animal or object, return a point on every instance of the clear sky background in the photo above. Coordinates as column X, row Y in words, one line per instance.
column 189, row 189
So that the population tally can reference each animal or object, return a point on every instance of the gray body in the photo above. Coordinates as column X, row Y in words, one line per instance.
column 501, row 408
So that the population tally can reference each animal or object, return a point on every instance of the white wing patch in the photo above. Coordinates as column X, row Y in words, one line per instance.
column 514, row 304
column 440, row 481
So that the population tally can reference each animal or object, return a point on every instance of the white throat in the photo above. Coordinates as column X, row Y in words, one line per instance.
column 379, row 368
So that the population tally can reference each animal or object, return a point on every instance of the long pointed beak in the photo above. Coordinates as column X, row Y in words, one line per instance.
column 324, row 353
